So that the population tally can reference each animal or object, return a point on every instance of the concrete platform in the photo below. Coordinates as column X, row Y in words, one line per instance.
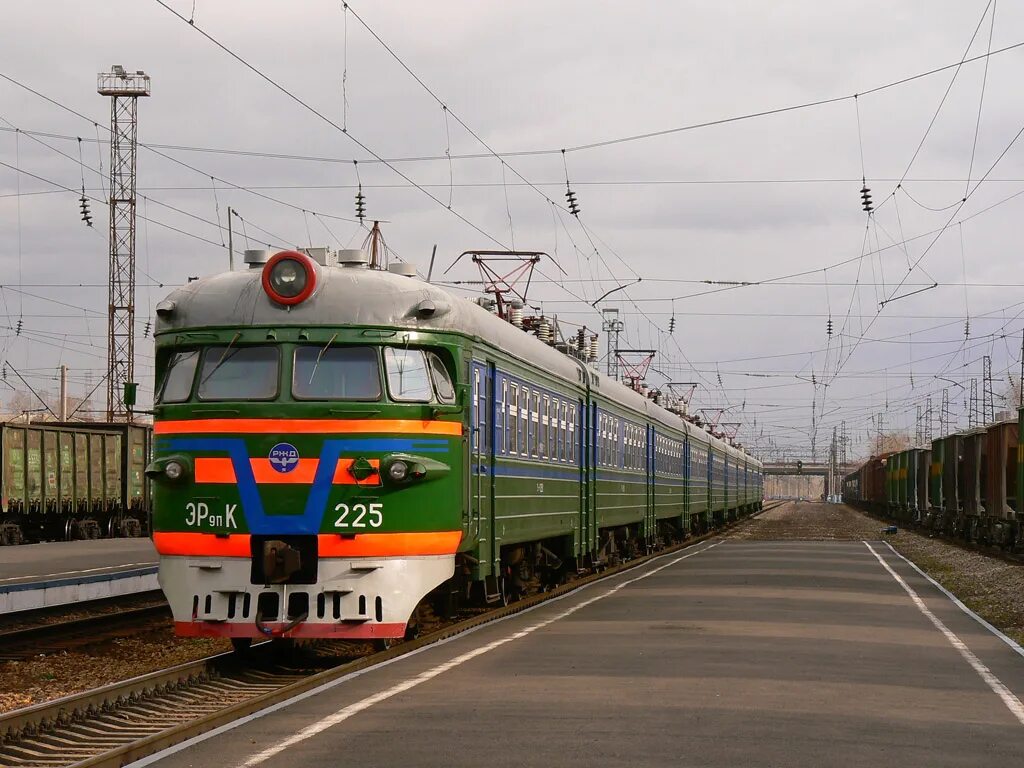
column 34, row 576
column 735, row 654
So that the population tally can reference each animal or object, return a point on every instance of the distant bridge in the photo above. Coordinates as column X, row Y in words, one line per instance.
column 798, row 467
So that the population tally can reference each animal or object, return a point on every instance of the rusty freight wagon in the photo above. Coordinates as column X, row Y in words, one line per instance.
column 73, row 481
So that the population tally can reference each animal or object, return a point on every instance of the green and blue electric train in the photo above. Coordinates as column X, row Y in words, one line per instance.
column 334, row 444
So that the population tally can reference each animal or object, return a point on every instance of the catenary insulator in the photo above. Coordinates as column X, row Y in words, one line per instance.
column 515, row 315
column 360, row 204
column 83, row 204
column 544, row 330
column 595, row 349
column 865, row 197
column 570, row 198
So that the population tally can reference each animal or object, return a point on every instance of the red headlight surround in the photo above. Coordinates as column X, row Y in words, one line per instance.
column 304, row 262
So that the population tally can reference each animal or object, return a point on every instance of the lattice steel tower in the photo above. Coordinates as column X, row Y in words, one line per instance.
column 124, row 89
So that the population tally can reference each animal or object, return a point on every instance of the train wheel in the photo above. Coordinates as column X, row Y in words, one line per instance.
column 241, row 645
column 416, row 622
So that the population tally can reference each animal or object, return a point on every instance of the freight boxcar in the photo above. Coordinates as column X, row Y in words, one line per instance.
column 868, row 487
column 906, row 473
column 1003, row 512
column 73, row 480
column 965, row 485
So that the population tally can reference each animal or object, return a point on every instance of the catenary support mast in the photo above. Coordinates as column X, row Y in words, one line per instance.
column 124, row 89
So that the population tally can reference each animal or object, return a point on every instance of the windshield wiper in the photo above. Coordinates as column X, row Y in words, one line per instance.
column 319, row 357
column 223, row 358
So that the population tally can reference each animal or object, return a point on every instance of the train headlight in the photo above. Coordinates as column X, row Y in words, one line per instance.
column 289, row 277
column 171, row 469
column 398, row 471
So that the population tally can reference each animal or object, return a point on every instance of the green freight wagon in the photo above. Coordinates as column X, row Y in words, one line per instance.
column 1002, row 521
column 73, row 480
column 908, row 492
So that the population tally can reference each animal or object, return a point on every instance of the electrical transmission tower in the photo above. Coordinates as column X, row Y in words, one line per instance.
column 944, row 414
column 928, row 434
column 124, row 89
column 988, row 395
column 972, row 413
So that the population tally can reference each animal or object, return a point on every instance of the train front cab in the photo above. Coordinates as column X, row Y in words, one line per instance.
column 304, row 480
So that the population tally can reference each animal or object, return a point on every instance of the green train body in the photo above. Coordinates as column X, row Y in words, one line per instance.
column 320, row 467
column 72, row 480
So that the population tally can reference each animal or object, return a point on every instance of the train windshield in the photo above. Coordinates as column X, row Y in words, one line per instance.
column 336, row 373
column 417, row 376
column 408, row 376
column 239, row 373
column 181, row 371
column 442, row 381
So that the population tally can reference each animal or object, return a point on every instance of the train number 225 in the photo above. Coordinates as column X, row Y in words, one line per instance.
column 359, row 515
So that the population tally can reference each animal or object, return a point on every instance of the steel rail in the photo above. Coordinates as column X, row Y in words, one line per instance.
column 58, row 636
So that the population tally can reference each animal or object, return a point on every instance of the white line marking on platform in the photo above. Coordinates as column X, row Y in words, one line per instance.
column 956, row 601
column 352, row 709
column 405, row 685
column 1009, row 699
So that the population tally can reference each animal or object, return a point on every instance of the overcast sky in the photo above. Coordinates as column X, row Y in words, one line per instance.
column 744, row 201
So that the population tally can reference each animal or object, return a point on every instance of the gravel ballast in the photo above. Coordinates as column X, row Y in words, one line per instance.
column 45, row 678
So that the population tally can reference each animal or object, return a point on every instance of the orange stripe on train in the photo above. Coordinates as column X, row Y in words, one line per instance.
column 221, row 470
column 191, row 544
column 306, row 426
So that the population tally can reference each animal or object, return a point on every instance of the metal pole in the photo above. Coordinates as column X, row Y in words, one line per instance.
column 231, row 244
column 125, row 88
column 430, row 270
column 63, row 407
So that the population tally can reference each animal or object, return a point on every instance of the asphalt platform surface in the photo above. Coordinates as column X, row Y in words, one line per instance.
column 731, row 653
column 27, row 563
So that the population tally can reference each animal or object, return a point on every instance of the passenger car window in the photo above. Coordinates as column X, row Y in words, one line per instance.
column 181, row 371
column 336, row 373
column 408, row 377
column 239, row 373
column 442, row 381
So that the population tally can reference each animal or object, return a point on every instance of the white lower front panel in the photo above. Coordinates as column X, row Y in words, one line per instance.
column 353, row 597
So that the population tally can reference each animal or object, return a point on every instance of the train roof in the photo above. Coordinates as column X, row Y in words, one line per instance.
column 357, row 295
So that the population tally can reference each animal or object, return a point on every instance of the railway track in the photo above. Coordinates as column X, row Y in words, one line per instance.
column 60, row 636
column 126, row 721
column 989, row 550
